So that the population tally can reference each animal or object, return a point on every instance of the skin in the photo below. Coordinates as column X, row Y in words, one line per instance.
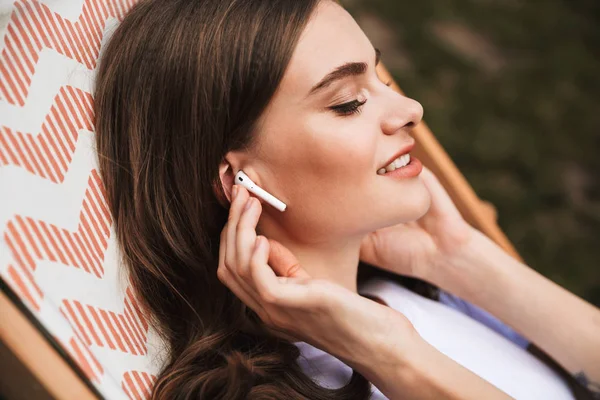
column 323, row 165
column 390, row 354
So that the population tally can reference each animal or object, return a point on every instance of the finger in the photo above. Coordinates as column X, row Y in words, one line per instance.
column 441, row 203
column 232, row 222
column 246, row 238
column 263, row 276
column 271, row 288
column 284, row 262
column 374, row 241
column 229, row 279
column 222, row 247
column 368, row 249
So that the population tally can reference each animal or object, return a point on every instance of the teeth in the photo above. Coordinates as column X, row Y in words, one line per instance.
column 399, row 162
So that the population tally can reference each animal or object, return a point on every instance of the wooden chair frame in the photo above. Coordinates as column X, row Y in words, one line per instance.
column 51, row 368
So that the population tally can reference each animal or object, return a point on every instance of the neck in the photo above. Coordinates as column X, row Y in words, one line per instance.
column 335, row 260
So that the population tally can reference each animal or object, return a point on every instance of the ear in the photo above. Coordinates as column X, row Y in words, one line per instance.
column 226, row 177
column 231, row 164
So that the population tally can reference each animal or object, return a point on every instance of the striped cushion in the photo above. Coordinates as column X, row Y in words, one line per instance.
column 57, row 250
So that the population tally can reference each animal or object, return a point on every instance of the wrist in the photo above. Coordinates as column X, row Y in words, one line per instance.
column 471, row 267
column 397, row 365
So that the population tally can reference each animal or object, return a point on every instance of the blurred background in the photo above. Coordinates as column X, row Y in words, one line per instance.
column 511, row 89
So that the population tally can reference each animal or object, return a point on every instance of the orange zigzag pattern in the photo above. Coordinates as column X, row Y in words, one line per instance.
column 49, row 153
column 84, row 358
column 126, row 332
column 138, row 385
column 33, row 26
column 30, row 240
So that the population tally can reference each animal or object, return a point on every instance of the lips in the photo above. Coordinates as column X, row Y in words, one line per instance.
column 402, row 151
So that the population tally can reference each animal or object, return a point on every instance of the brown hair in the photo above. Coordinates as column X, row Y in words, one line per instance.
column 181, row 83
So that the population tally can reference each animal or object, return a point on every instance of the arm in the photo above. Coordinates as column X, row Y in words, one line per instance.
column 563, row 325
column 423, row 373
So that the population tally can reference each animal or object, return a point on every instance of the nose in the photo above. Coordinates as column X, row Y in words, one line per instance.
column 402, row 114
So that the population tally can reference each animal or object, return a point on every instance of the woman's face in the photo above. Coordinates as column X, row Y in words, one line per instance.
column 323, row 164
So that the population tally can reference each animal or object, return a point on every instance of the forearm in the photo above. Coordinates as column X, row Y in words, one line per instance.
column 423, row 373
column 563, row 325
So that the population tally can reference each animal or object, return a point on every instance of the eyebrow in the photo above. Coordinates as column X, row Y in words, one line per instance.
column 344, row 71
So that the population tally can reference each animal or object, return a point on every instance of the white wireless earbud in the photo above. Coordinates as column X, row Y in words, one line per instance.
column 242, row 179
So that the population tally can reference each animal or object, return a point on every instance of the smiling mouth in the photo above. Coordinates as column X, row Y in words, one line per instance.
column 399, row 162
column 404, row 167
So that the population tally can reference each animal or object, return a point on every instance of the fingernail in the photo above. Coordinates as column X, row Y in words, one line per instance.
column 249, row 203
column 235, row 190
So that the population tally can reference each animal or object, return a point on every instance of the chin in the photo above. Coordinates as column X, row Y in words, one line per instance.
column 425, row 203
column 418, row 204
column 406, row 204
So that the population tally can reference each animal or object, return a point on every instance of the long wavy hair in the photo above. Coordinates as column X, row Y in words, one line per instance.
column 179, row 84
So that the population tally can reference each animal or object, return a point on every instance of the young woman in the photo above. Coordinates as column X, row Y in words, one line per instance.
column 311, row 303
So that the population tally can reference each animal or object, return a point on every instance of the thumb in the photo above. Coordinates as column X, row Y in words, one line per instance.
column 368, row 249
column 284, row 263
column 441, row 203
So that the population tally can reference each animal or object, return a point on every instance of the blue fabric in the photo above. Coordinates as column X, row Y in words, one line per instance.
column 484, row 317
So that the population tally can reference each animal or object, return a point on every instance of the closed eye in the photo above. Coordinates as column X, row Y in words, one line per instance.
column 352, row 107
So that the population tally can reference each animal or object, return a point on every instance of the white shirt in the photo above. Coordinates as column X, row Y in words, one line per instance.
column 469, row 342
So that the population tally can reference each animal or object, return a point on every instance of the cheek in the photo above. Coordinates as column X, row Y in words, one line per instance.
column 334, row 172
column 340, row 148
column 326, row 176
column 323, row 148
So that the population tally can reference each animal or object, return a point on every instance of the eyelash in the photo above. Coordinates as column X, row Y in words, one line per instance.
column 352, row 107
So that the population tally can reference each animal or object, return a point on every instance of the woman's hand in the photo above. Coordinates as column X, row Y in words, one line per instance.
column 416, row 249
column 373, row 339
column 268, row 278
